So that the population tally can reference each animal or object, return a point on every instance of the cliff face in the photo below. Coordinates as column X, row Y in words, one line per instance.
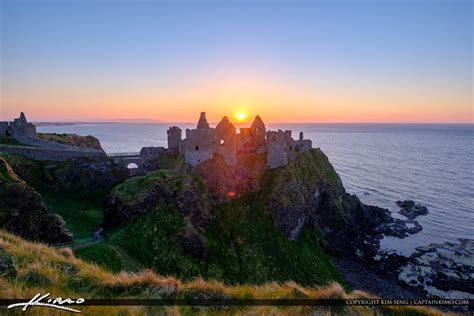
column 308, row 193
column 220, row 214
column 226, row 182
column 23, row 213
column 87, row 174
column 169, row 222
column 140, row 195
column 71, row 140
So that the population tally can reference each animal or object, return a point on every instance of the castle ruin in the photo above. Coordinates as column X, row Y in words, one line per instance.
column 31, row 146
column 18, row 128
column 204, row 142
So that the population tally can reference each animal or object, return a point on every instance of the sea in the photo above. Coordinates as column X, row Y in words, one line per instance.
column 431, row 164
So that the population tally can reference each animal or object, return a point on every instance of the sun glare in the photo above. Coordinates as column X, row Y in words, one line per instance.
column 240, row 116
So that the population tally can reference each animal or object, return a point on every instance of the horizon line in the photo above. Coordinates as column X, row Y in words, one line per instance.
column 151, row 121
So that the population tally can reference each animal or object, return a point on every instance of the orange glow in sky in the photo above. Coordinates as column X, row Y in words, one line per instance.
column 311, row 62
column 240, row 99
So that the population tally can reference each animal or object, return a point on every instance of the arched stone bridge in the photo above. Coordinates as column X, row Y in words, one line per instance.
column 136, row 163
column 132, row 161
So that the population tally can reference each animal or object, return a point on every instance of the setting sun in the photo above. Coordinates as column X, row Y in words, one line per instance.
column 240, row 116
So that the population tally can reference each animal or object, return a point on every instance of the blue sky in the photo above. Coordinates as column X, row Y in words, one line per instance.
column 57, row 52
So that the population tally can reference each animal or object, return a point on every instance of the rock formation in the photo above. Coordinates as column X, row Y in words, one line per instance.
column 164, row 189
column 142, row 194
column 23, row 213
column 78, row 174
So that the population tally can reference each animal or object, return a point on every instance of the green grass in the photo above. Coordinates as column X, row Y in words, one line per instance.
column 146, row 241
column 244, row 247
column 247, row 247
column 81, row 211
column 71, row 139
column 12, row 142
column 133, row 188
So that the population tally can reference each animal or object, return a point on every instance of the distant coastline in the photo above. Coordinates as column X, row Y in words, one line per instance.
column 69, row 123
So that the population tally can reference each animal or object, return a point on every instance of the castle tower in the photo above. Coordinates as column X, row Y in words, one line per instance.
column 174, row 137
column 199, row 143
column 258, row 124
column 259, row 131
column 22, row 119
column 21, row 127
column 202, row 123
column 225, row 141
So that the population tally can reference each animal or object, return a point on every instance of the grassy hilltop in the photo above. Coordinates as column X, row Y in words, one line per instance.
column 244, row 247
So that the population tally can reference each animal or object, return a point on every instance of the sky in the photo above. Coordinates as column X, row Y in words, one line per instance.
column 289, row 61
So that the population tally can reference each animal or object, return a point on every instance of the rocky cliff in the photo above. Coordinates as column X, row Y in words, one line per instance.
column 71, row 140
column 248, row 223
column 308, row 193
column 86, row 174
column 23, row 213
column 140, row 195
column 226, row 182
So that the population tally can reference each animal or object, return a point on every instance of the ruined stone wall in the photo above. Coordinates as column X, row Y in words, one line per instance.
column 278, row 145
column 225, row 142
column 174, row 137
column 198, row 145
column 149, row 153
column 246, row 140
column 30, row 130
column 47, row 154
column 3, row 129
column 304, row 145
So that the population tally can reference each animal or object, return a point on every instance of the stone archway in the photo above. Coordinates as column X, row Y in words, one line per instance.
column 132, row 165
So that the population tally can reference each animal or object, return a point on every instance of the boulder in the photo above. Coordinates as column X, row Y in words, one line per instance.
column 446, row 267
column 411, row 210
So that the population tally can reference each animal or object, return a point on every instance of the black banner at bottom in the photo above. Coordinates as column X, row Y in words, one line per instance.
column 251, row 302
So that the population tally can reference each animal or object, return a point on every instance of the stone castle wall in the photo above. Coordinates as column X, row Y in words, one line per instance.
column 225, row 141
column 203, row 142
column 174, row 137
column 198, row 145
column 3, row 129
column 38, row 153
column 279, row 144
